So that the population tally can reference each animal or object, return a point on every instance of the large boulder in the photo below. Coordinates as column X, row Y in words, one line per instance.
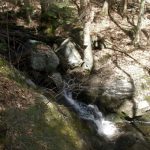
column 43, row 58
column 131, row 141
column 119, row 83
column 69, row 55
column 37, row 121
column 108, row 91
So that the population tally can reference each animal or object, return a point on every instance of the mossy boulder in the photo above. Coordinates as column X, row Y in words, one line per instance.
column 43, row 58
column 31, row 121
column 42, row 126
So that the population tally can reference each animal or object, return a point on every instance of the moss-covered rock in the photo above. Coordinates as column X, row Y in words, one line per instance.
column 44, row 127
column 4, row 67
column 43, row 57
column 32, row 121
column 8, row 71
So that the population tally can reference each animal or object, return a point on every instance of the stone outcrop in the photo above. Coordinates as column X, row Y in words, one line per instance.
column 119, row 83
column 69, row 55
column 43, row 58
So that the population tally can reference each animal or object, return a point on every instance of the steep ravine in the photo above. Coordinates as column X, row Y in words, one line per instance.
column 38, row 110
column 30, row 120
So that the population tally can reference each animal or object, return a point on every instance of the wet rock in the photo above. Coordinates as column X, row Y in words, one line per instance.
column 57, row 79
column 131, row 141
column 31, row 83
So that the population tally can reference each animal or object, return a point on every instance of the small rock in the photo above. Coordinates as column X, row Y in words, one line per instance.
column 31, row 83
column 57, row 78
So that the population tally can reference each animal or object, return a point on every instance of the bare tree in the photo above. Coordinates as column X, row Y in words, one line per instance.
column 89, row 15
column 28, row 9
column 105, row 8
column 139, row 24
column 45, row 5
column 125, row 4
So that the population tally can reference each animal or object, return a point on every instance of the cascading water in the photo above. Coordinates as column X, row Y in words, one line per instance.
column 92, row 113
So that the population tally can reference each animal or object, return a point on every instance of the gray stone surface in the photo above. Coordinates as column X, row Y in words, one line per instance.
column 43, row 58
column 69, row 54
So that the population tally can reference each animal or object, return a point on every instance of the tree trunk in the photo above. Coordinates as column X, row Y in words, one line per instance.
column 105, row 8
column 45, row 4
column 28, row 10
column 139, row 24
column 125, row 4
column 88, row 56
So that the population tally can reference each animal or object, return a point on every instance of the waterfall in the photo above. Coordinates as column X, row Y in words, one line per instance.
column 92, row 113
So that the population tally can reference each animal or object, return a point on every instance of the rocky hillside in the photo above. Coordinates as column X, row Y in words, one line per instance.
column 42, row 55
column 29, row 120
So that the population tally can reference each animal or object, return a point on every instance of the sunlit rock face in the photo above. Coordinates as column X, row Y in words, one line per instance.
column 69, row 55
column 120, row 84
column 109, row 90
column 139, row 72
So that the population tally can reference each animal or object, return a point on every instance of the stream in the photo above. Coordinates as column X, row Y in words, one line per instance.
column 92, row 114
column 123, row 139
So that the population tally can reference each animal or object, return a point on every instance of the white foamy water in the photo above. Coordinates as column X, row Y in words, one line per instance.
column 92, row 113
column 106, row 128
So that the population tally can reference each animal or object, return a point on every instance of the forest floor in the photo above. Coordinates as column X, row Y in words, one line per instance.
column 117, row 34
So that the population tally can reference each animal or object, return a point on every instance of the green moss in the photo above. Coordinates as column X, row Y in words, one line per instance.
column 147, row 98
column 67, row 125
column 146, row 116
column 4, row 67
column 49, row 31
column 57, row 15
column 10, row 72
column 44, row 127
column 41, row 126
